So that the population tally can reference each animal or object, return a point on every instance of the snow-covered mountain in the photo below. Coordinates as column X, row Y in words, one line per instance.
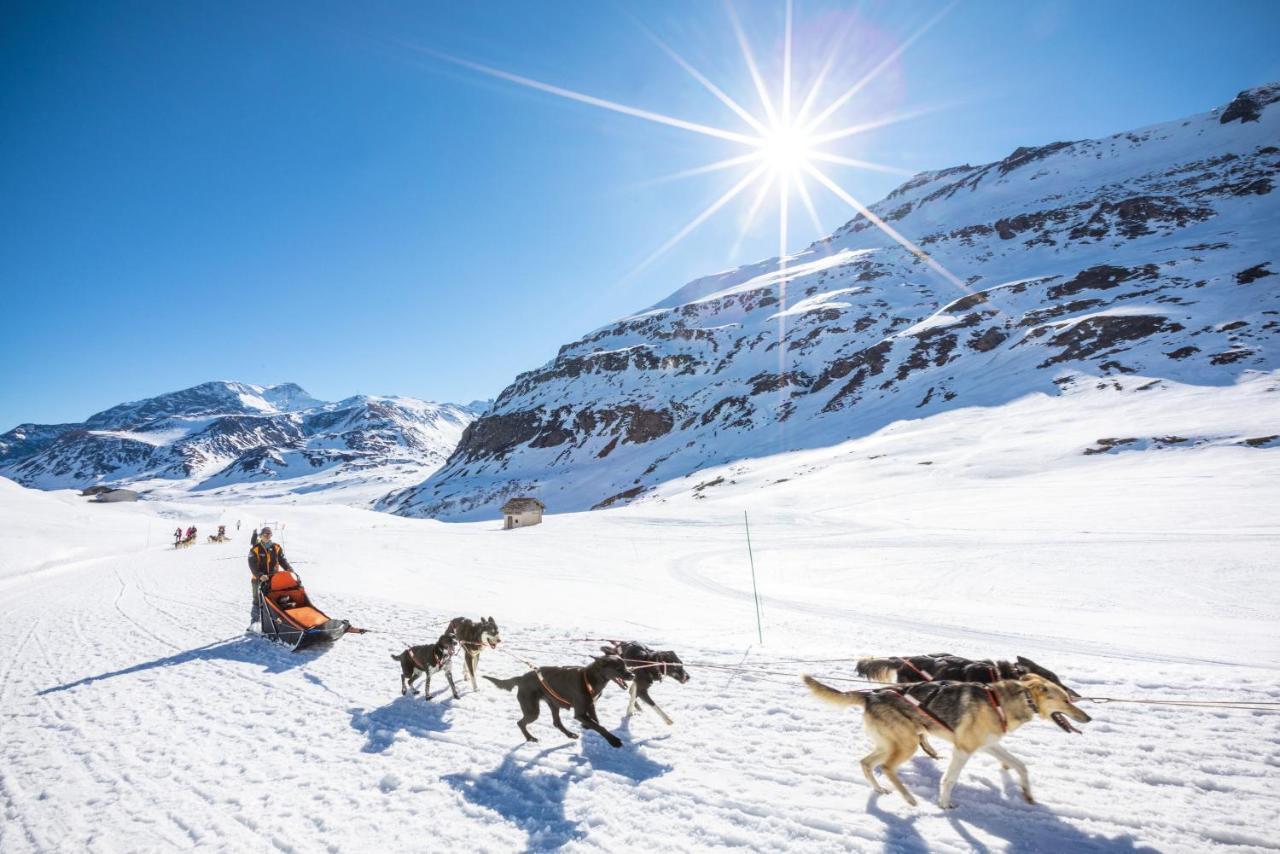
column 230, row 438
column 1150, row 254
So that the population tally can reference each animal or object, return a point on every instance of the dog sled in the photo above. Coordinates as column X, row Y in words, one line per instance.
column 289, row 617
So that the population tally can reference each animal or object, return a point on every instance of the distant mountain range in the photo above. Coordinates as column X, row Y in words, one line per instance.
column 231, row 439
column 1151, row 253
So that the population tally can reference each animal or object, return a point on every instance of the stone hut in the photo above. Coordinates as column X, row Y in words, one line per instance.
column 116, row 495
column 521, row 513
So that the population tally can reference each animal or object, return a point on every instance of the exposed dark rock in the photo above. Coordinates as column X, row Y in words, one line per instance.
column 1023, row 155
column 1257, row 271
column 496, row 435
column 1244, row 108
column 1053, row 312
column 987, row 341
column 1098, row 335
column 1229, row 357
column 1100, row 278
column 871, row 361
column 622, row 497
column 1105, row 445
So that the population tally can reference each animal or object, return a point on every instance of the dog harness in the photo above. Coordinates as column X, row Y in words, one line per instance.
column 920, row 707
column 561, row 700
column 925, row 676
column 995, row 704
column 437, row 659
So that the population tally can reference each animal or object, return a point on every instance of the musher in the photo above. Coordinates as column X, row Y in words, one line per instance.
column 265, row 559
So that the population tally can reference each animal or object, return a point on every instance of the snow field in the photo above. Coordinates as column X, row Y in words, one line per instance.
column 139, row 717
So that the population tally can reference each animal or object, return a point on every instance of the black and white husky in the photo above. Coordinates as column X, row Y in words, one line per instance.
column 649, row 666
column 425, row 660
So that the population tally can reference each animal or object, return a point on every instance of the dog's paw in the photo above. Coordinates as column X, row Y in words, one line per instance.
column 1026, row 796
column 947, row 805
column 614, row 741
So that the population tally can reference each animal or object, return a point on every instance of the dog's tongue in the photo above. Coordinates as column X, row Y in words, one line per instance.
column 619, row 683
column 493, row 644
column 1061, row 720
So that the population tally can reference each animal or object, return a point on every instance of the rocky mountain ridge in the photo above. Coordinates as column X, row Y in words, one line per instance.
column 222, row 438
column 1150, row 253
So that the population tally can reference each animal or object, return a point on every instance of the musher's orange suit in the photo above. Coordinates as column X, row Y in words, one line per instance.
column 265, row 559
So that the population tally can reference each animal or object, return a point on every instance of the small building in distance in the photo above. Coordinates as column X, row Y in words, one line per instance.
column 95, row 490
column 521, row 513
column 114, row 495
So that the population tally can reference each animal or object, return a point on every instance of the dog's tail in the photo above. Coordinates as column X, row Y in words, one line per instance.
column 879, row 669
column 831, row 695
column 398, row 657
column 504, row 684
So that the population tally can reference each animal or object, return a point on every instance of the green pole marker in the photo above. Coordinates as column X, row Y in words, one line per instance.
column 755, row 591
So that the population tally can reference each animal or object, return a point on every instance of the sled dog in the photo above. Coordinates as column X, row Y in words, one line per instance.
column 973, row 717
column 567, row 688
column 944, row 665
column 474, row 636
column 425, row 660
column 649, row 666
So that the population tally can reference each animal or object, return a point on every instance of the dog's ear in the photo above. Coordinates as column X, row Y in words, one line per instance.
column 1026, row 662
column 609, row 650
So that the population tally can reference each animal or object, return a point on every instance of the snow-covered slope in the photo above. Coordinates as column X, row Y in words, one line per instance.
column 137, row 716
column 1151, row 254
column 226, row 439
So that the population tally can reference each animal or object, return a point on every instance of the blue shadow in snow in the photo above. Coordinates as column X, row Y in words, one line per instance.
column 403, row 714
column 1025, row 828
column 242, row 649
column 531, row 795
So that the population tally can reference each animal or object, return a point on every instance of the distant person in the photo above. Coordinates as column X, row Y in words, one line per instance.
column 237, row 525
column 177, row 535
column 265, row 560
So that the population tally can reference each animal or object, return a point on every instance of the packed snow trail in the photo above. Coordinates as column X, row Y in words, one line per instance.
column 139, row 716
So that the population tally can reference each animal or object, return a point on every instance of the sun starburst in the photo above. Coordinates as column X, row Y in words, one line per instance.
column 784, row 144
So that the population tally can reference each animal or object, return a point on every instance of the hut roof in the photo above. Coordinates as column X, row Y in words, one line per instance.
column 522, row 505
column 117, row 495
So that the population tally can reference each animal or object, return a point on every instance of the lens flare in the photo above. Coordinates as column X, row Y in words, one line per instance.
column 784, row 144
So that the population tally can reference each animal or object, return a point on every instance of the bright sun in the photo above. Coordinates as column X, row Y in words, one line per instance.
column 787, row 149
column 786, row 140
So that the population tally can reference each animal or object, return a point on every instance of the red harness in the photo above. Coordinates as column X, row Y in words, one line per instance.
column 920, row 707
column 561, row 700
column 436, row 662
column 995, row 704
column 925, row 676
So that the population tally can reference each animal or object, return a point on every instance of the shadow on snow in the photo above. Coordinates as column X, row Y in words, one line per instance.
column 531, row 794
column 407, row 714
column 242, row 649
column 1022, row 828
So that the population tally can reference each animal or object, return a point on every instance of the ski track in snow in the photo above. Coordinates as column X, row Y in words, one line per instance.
column 138, row 717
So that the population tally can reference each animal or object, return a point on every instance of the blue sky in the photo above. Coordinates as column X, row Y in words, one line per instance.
column 306, row 192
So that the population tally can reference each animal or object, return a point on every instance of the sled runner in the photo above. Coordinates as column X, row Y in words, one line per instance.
column 288, row 617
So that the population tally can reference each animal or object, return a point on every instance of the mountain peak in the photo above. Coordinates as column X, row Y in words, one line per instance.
column 1145, row 253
